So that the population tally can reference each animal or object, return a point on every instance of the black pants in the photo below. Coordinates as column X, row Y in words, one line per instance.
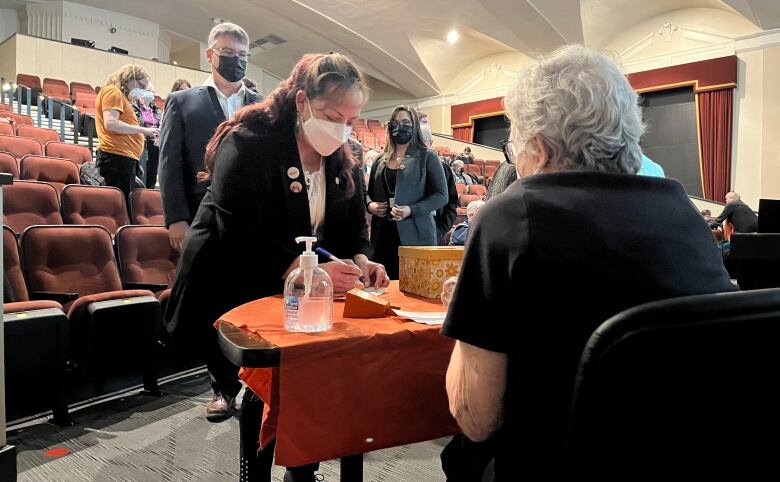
column 222, row 372
column 465, row 461
column 118, row 171
column 152, row 162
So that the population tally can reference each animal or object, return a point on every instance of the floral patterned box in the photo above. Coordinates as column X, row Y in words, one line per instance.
column 424, row 269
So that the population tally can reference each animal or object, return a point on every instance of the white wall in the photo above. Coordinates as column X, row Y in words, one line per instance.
column 9, row 23
column 8, row 59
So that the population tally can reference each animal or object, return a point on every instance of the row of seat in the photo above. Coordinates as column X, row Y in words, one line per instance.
column 72, row 306
column 56, row 171
column 478, row 189
column 42, row 142
column 30, row 203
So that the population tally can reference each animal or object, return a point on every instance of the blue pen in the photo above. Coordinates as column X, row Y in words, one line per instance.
column 327, row 254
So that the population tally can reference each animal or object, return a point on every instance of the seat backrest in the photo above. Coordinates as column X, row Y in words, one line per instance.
column 474, row 169
column 461, row 188
column 31, row 81
column 20, row 146
column 490, row 171
column 6, row 129
column 146, row 207
column 13, row 266
column 85, row 100
column 54, row 82
column 39, row 133
column 27, row 203
column 145, row 255
column 5, row 107
column 9, row 164
column 56, row 171
column 77, row 154
column 465, row 199
column 69, row 259
column 76, row 86
column 755, row 260
column 19, row 119
column 683, row 386
column 101, row 205
column 56, row 91
column 477, row 189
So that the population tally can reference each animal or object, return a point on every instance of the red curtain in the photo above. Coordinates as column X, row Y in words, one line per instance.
column 716, row 112
column 463, row 133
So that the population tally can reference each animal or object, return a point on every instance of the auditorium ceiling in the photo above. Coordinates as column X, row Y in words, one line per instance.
column 403, row 44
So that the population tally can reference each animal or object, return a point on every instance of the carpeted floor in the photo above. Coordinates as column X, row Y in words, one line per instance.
column 140, row 438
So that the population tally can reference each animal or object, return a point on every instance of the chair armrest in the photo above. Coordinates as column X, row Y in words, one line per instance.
column 53, row 296
column 153, row 287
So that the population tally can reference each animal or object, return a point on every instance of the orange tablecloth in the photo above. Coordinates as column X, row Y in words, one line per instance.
column 365, row 385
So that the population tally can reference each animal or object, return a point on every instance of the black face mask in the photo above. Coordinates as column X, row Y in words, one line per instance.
column 231, row 68
column 401, row 133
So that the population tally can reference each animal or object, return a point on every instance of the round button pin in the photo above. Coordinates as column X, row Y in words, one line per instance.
column 296, row 187
column 293, row 173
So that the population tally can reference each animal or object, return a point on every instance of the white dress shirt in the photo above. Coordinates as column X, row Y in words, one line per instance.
column 230, row 105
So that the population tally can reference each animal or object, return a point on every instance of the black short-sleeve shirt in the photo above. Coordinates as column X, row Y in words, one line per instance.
column 546, row 263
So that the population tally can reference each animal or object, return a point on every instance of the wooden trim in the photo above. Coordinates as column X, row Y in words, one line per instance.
column 655, row 88
column 698, row 143
column 478, row 116
column 730, row 85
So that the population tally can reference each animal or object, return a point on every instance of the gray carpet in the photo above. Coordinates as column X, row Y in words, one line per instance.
column 140, row 438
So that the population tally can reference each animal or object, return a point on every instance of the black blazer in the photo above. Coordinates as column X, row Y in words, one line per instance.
column 242, row 239
column 190, row 119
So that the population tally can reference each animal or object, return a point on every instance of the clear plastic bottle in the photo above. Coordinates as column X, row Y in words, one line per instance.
column 308, row 294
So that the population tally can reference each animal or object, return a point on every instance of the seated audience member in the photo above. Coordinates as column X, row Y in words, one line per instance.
column 650, row 168
column 576, row 127
column 741, row 216
column 506, row 173
column 461, row 231
column 181, row 84
column 466, row 156
column 460, row 174
column 368, row 160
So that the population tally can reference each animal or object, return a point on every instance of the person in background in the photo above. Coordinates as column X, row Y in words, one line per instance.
column 121, row 139
column 461, row 232
column 191, row 118
column 650, row 168
column 279, row 169
column 741, row 216
column 445, row 215
column 466, row 156
column 368, row 160
column 181, row 84
column 149, row 115
column 250, row 84
column 506, row 174
column 460, row 174
column 406, row 187
column 576, row 126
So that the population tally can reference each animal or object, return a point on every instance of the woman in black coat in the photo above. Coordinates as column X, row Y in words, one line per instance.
column 279, row 169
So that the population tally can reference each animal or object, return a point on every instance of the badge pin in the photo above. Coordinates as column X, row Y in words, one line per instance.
column 293, row 173
column 296, row 187
column 337, row 181
column 402, row 167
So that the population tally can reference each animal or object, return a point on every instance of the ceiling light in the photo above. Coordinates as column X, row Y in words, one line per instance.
column 452, row 37
column 175, row 63
column 217, row 20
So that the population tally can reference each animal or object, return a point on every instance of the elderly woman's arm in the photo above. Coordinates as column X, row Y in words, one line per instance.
column 476, row 382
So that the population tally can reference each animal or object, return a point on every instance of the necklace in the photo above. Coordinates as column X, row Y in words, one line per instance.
column 307, row 176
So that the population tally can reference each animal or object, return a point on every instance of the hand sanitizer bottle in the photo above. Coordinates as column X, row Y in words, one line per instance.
column 308, row 294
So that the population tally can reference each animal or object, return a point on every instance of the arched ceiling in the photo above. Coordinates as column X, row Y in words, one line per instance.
column 401, row 45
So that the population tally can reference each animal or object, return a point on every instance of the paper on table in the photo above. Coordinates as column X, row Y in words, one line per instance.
column 424, row 317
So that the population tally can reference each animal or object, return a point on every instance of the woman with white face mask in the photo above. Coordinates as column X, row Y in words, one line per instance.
column 279, row 169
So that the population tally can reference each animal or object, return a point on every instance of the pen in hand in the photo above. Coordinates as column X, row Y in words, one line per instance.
column 327, row 254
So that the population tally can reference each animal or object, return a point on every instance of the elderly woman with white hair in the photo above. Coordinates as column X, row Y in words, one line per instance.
column 578, row 239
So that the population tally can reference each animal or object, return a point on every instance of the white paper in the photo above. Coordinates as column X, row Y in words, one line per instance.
column 424, row 317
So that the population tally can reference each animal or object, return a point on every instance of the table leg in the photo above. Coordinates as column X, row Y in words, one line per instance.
column 255, row 465
column 352, row 468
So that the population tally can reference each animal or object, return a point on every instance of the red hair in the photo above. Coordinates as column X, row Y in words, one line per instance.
column 317, row 75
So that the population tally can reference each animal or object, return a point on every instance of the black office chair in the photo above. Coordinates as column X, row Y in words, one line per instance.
column 682, row 389
column 755, row 260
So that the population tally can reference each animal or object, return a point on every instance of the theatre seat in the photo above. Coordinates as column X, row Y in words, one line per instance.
column 146, row 207
column 38, row 133
column 461, row 188
column 110, row 328
column 146, row 259
column 465, row 199
column 76, row 153
column 57, row 172
column 6, row 129
column 27, row 203
column 679, row 389
column 9, row 164
column 19, row 119
column 20, row 146
column 101, row 205
column 477, row 189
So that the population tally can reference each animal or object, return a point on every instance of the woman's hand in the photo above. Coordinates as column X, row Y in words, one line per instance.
column 399, row 213
column 374, row 274
column 377, row 209
column 446, row 291
column 151, row 132
column 344, row 276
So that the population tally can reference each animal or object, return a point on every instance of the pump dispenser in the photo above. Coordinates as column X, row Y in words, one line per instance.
column 308, row 293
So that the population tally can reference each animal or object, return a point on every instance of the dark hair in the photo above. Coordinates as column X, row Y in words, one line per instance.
column 318, row 76
column 179, row 82
column 417, row 138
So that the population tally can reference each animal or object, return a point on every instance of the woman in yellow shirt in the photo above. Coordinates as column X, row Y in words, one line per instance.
column 121, row 140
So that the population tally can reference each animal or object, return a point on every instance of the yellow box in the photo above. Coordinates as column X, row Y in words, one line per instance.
column 424, row 269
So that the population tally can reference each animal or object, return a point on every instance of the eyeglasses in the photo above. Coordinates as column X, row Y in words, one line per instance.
column 509, row 151
column 395, row 123
column 227, row 52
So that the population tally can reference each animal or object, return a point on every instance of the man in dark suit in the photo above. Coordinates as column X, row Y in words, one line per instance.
column 741, row 216
column 191, row 117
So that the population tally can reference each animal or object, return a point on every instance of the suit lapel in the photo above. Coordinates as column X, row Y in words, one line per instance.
column 297, row 203
column 211, row 96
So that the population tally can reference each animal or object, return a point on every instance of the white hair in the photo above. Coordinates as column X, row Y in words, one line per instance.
column 580, row 106
column 228, row 28
column 473, row 207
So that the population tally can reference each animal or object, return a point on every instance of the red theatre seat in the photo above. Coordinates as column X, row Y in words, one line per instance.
column 27, row 203
column 20, row 146
column 39, row 133
column 102, row 205
column 56, row 171
column 146, row 207
column 77, row 154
